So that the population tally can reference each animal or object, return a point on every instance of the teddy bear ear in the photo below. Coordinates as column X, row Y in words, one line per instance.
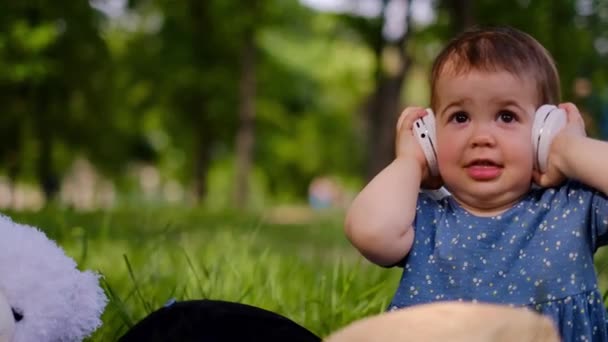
column 7, row 322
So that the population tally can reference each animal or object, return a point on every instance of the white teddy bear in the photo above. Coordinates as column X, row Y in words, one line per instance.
column 43, row 296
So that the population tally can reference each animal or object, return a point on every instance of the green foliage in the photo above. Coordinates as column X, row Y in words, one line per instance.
column 54, row 82
column 158, row 82
column 29, row 42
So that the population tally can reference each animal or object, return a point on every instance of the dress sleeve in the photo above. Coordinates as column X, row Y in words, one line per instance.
column 427, row 206
column 599, row 219
column 429, row 202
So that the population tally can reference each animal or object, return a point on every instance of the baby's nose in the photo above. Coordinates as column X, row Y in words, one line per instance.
column 482, row 137
column 482, row 140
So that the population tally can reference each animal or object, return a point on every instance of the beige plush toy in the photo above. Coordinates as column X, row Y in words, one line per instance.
column 451, row 321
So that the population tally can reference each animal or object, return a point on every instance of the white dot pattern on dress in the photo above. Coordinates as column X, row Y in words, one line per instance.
column 537, row 254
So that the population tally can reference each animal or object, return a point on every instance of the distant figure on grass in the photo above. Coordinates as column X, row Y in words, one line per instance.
column 323, row 193
column 510, row 232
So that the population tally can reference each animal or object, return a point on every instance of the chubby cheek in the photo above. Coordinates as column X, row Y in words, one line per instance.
column 450, row 148
column 521, row 154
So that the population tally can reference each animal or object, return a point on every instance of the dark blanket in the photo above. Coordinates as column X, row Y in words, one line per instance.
column 216, row 321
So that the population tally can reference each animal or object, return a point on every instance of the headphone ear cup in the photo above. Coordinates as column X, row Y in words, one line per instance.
column 539, row 119
column 548, row 121
column 424, row 130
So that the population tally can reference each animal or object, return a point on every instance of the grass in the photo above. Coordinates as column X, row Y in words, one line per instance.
column 306, row 271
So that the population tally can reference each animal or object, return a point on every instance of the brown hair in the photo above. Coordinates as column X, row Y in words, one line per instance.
column 499, row 49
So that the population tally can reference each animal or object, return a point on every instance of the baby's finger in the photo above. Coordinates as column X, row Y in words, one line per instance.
column 572, row 112
column 574, row 116
column 568, row 107
column 537, row 177
column 548, row 179
column 542, row 179
column 408, row 116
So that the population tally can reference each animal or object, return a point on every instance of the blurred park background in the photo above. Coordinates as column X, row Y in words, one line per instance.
column 240, row 104
column 207, row 148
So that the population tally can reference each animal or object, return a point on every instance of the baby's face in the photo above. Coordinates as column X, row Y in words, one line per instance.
column 484, row 124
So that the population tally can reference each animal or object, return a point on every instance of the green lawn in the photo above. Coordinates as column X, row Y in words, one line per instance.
column 306, row 271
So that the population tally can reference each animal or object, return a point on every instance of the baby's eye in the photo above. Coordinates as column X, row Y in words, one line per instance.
column 459, row 117
column 507, row 116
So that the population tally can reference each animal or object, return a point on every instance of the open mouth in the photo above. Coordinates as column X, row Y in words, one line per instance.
column 484, row 163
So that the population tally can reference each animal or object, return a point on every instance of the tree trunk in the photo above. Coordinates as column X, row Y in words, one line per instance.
column 383, row 117
column 12, row 131
column 49, row 181
column 199, row 14
column 47, row 177
column 384, row 107
column 202, row 161
column 40, row 97
column 245, row 135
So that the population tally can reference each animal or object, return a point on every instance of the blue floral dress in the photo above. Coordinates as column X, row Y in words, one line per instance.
column 538, row 254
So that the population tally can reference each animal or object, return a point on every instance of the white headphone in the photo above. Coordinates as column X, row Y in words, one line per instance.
column 548, row 121
column 424, row 130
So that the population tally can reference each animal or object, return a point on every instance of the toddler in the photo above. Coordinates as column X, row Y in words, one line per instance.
column 496, row 238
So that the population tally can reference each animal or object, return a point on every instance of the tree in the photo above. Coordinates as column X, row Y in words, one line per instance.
column 247, row 93
column 54, row 60
column 384, row 103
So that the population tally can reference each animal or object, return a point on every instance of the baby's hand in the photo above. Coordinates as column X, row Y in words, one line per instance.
column 574, row 126
column 407, row 147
